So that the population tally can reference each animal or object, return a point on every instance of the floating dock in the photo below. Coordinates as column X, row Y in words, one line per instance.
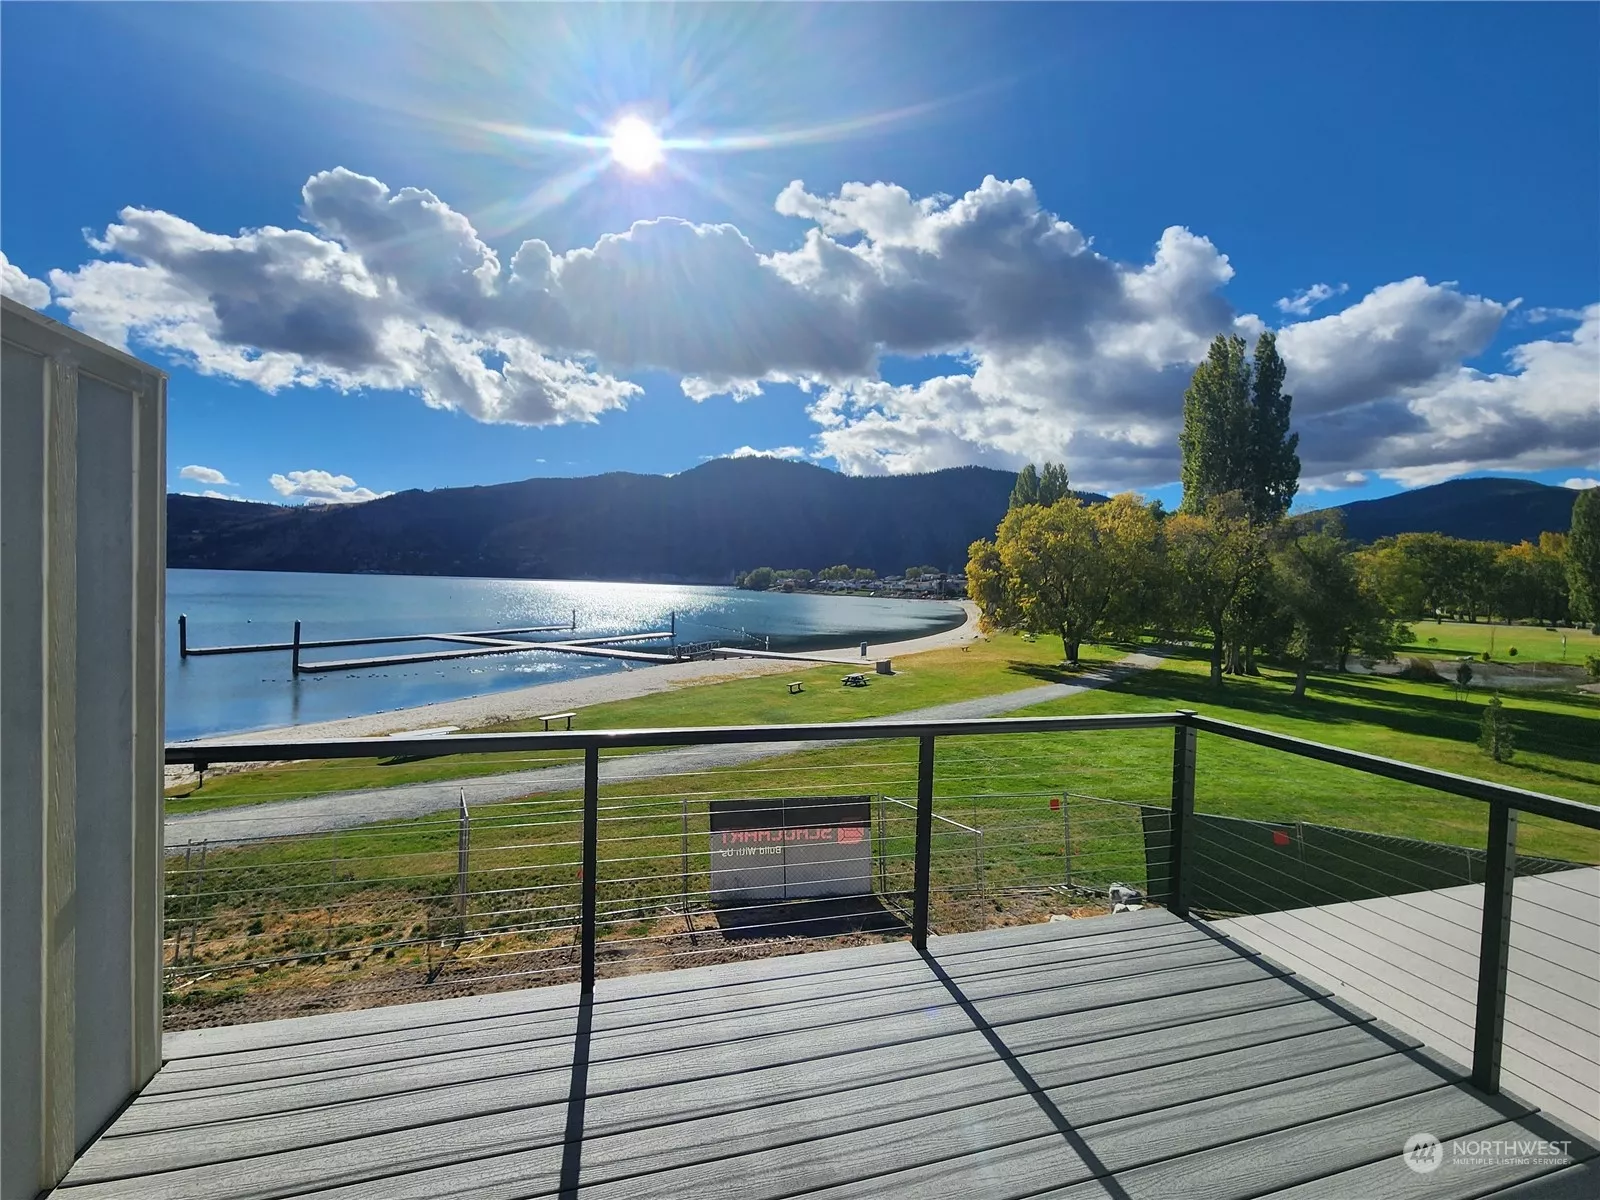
column 470, row 644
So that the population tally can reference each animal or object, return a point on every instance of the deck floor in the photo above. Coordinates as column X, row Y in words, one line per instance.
column 1413, row 960
column 1136, row 1057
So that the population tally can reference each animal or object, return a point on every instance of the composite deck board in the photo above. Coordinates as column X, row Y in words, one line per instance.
column 1413, row 960
column 652, row 1012
column 1098, row 1044
column 835, row 1027
column 1079, row 1055
column 1578, row 1182
column 1380, row 1181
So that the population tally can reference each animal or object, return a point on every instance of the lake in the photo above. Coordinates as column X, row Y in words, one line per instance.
column 239, row 692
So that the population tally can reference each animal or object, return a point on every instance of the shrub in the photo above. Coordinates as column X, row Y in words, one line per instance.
column 1512, row 652
column 1592, row 664
column 1494, row 735
column 1420, row 670
column 1486, row 657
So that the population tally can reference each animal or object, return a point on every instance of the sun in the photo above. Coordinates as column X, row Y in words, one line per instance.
column 635, row 146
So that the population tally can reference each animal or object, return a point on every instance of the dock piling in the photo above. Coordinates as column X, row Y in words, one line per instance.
column 294, row 662
column 183, row 635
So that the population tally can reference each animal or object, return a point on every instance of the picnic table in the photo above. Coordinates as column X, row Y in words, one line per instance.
column 856, row 680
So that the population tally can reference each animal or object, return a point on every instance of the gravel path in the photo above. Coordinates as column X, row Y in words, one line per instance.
column 346, row 809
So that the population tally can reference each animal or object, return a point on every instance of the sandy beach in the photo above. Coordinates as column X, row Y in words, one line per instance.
column 576, row 694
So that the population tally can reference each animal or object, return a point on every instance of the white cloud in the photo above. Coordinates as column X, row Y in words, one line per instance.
column 1064, row 352
column 775, row 452
column 205, row 475
column 1339, row 480
column 322, row 487
column 212, row 494
column 21, row 286
column 1301, row 303
column 1581, row 483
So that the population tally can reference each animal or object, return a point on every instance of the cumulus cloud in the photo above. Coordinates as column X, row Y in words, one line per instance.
column 775, row 452
column 204, row 475
column 1581, row 483
column 1301, row 303
column 322, row 487
column 1061, row 351
column 22, row 287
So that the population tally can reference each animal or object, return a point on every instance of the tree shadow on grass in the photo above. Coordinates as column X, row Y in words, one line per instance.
column 1336, row 701
column 1049, row 672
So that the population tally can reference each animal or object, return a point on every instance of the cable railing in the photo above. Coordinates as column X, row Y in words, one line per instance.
column 729, row 842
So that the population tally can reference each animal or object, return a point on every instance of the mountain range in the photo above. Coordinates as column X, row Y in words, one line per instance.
column 723, row 517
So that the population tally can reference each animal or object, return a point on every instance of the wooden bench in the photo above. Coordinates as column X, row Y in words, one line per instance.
column 567, row 717
column 795, row 688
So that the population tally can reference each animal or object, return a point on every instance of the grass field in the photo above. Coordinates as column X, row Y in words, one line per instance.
column 1533, row 643
column 371, row 911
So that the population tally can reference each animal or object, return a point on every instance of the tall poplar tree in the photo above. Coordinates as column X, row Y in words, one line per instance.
column 1236, row 430
column 1217, row 435
column 1026, row 490
column 1272, row 475
column 1583, row 556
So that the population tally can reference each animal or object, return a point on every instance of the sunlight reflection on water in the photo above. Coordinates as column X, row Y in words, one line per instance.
column 255, row 691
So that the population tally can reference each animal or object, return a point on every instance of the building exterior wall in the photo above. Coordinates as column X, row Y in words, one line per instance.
column 82, row 556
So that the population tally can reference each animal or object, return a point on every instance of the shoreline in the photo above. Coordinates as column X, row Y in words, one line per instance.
column 576, row 694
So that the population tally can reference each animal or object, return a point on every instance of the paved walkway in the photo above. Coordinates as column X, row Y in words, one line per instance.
column 318, row 814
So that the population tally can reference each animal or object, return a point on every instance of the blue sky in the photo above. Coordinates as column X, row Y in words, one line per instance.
column 1434, row 168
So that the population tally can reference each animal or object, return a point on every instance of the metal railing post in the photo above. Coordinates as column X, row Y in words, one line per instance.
column 924, row 854
column 1494, row 947
column 591, row 856
column 463, row 859
column 1181, row 834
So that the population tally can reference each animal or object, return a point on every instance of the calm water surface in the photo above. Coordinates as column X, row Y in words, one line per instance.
column 237, row 692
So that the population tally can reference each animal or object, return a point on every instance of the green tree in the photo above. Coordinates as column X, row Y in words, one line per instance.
column 1214, row 557
column 1583, row 556
column 835, row 573
column 1026, row 490
column 1063, row 568
column 759, row 580
column 1315, row 581
column 1053, row 485
column 1394, row 577
column 987, row 588
column 1236, row 430
column 1040, row 485
column 1216, row 424
column 862, row 574
column 1273, row 469
column 1494, row 736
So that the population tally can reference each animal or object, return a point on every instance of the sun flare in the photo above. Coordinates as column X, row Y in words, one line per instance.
column 635, row 146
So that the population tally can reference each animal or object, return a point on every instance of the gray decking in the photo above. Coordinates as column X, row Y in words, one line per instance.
column 1123, row 1058
column 1413, row 960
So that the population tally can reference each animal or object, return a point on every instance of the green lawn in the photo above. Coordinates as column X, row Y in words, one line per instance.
column 372, row 904
column 1002, row 664
column 1533, row 643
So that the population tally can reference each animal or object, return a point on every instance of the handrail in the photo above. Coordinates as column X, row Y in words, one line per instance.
column 1504, row 804
column 189, row 753
column 1540, row 803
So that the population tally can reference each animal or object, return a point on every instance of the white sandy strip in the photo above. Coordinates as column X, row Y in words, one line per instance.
column 473, row 712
